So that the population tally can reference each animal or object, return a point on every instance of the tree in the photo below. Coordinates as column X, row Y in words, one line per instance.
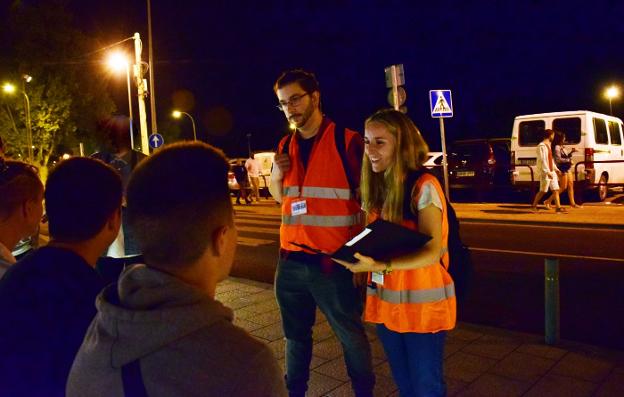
column 66, row 101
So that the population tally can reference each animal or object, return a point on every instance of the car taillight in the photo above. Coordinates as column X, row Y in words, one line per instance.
column 589, row 157
column 513, row 159
column 491, row 160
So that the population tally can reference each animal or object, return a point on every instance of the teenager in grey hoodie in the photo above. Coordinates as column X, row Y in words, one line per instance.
column 160, row 330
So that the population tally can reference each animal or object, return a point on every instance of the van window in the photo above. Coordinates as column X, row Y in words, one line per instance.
column 600, row 128
column 570, row 126
column 530, row 132
column 614, row 132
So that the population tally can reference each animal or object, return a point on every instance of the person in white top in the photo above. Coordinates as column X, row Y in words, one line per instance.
column 547, row 172
column 253, row 169
column 21, row 206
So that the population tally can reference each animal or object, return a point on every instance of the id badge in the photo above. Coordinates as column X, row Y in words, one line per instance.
column 378, row 278
column 299, row 207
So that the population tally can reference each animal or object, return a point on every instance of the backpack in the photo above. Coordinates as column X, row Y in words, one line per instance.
column 460, row 260
column 340, row 138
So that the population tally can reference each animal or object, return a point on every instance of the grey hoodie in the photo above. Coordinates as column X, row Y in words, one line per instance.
column 185, row 340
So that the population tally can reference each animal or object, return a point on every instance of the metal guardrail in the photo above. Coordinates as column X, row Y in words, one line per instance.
column 551, row 286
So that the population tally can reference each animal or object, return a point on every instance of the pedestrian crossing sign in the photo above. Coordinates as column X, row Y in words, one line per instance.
column 441, row 103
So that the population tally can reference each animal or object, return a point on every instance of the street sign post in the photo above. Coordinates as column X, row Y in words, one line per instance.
column 156, row 141
column 441, row 104
column 395, row 79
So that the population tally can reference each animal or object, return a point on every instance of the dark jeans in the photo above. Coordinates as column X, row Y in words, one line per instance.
column 300, row 287
column 416, row 361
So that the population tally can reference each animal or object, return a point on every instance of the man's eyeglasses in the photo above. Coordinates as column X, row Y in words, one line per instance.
column 294, row 100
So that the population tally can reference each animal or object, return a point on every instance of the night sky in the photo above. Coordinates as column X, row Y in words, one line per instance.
column 219, row 60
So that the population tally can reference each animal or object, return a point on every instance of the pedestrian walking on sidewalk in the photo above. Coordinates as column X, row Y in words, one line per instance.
column 411, row 298
column 563, row 161
column 253, row 169
column 320, row 211
column 547, row 173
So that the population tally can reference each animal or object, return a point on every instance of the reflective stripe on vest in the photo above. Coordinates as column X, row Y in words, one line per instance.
column 320, row 220
column 317, row 192
column 413, row 296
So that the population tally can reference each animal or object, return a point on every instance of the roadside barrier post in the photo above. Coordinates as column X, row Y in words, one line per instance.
column 551, row 300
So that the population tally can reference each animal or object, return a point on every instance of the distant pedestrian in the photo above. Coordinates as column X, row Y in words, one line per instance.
column 411, row 298
column 253, row 169
column 119, row 154
column 240, row 172
column 563, row 161
column 46, row 299
column 21, row 207
column 320, row 210
column 160, row 328
column 547, row 172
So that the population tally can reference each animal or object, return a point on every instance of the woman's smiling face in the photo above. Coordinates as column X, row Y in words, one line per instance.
column 379, row 146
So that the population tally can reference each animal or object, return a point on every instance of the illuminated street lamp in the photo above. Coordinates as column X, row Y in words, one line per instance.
column 10, row 89
column 611, row 93
column 177, row 114
column 118, row 62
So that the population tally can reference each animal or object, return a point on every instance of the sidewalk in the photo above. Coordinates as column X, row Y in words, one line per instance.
column 479, row 361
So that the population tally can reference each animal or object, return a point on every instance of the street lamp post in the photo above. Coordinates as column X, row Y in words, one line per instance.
column 10, row 89
column 118, row 62
column 177, row 114
column 611, row 93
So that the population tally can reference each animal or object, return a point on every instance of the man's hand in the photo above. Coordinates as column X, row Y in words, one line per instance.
column 283, row 162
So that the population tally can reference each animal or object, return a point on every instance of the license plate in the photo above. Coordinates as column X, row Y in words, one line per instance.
column 465, row 173
column 528, row 161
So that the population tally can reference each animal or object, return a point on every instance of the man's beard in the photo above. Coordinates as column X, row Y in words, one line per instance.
column 303, row 117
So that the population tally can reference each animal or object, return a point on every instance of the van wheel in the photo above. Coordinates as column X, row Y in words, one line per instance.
column 602, row 190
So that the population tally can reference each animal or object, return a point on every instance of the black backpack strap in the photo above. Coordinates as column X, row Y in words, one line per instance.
column 340, row 137
column 133, row 380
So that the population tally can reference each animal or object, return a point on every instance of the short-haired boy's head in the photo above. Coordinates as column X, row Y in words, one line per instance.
column 81, row 195
column 177, row 199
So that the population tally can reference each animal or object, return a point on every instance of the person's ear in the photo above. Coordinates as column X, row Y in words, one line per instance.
column 219, row 240
column 316, row 98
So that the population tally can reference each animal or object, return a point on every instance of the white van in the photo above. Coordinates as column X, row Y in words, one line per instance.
column 266, row 163
column 595, row 136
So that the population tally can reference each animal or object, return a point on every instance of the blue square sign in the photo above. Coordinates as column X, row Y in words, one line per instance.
column 441, row 103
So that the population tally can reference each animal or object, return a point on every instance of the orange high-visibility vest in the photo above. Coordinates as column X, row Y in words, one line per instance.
column 417, row 300
column 333, row 215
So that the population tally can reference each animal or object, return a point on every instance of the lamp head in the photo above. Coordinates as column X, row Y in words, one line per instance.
column 612, row 92
column 176, row 114
column 117, row 61
column 8, row 88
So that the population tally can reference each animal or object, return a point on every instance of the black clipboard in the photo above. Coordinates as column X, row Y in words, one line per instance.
column 381, row 240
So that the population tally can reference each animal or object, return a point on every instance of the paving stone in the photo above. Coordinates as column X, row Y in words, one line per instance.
column 264, row 306
column 261, row 296
column 541, row 350
column 494, row 386
column 320, row 385
column 524, row 367
column 452, row 345
column 322, row 331
column 246, row 325
column 383, row 369
column 492, row 346
column 561, row 386
column 268, row 318
column 270, row 333
column 383, row 387
column 583, row 367
column 464, row 334
column 226, row 287
column 244, row 313
column 377, row 350
column 467, row 367
column 613, row 385
column 453, row 386
column 329, row 348
column 278, row 347
column 335, row 368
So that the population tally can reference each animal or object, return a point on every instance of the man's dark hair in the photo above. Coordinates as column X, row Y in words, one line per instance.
column 547, row 133
column 307, row 80
column 177, row 198
column 81, row 195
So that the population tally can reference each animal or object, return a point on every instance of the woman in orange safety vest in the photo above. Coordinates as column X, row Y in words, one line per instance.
column 412, row 297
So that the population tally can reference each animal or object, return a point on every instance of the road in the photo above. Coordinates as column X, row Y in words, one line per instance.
column 508, row 287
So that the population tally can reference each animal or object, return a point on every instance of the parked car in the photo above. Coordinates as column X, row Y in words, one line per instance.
column 595, row 136
column 266, row 161
column 480, row 164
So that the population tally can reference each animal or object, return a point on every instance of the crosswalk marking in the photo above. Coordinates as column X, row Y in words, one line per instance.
column 275, row 223
column 253, row 229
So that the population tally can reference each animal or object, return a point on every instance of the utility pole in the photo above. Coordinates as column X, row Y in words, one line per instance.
column 151, row 69
column 141, row 84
